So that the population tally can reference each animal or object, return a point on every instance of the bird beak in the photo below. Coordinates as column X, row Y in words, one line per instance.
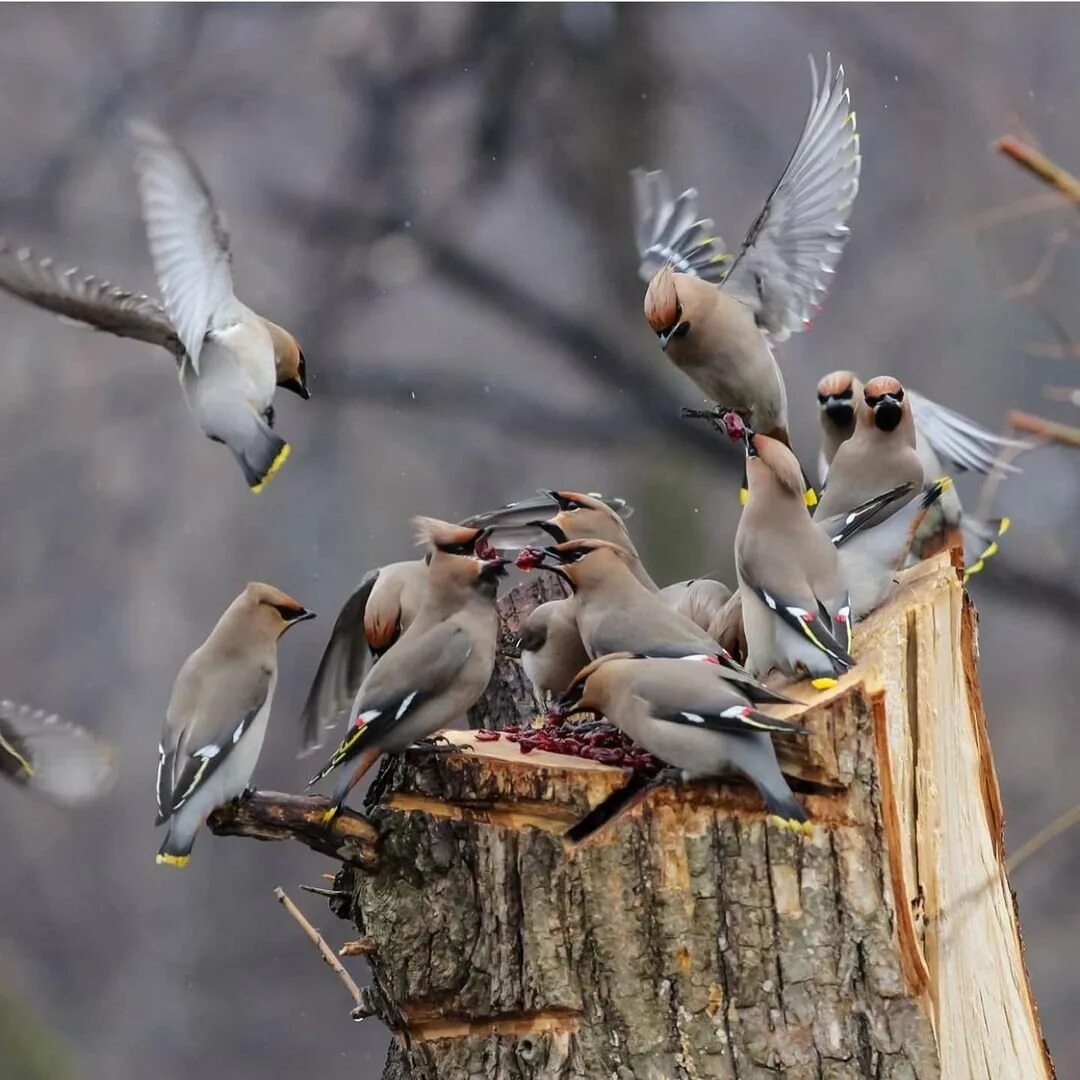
column 748, row 439
column 887, row 412
column 295, row 386
column 553, row 530
column 665, row 339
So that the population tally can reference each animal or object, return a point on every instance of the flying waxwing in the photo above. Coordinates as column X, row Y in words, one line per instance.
column 689, row 715
column 216, row 720
column 941, row 435
column 616, row 613
column 100, row 305
column 437, row 670
column 717, row 314
column 795, row 605
column 62, row 761
column 231, row 355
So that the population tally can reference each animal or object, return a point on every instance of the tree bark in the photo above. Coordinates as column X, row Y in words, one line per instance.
column 689, row 938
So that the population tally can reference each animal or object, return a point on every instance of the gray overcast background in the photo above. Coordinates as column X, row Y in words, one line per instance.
column 435, row 200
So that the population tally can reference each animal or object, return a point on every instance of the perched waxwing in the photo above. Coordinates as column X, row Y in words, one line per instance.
column 795, row 605
column 701, row 600
column 217, row 715
column 878, row 460
column 100, row 305
column 588, row 516
column 231, row 355
column 717, row 314
column 941, row 436
column 616, row 613
column 436, row 671
column 880, row 454
column 551, row 649
column 381, row 608
column 61, row 760
column 688, row 714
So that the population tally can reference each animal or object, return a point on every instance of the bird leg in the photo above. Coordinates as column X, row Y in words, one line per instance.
column 732, row 422
column 439, row 744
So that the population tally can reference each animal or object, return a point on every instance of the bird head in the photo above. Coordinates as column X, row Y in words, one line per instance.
column 289, row 362
column 837, row 396
column 769, row 461
column 884, row 397
column 460, row 555
column 581, row 516
column 274, row 610
column 664, row 308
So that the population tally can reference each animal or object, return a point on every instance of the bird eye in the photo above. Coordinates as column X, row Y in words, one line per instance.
column 871, row 400
column 681, row 330
column 899, row 395
column 571, row 506
column 822, row 398
column 458, row 549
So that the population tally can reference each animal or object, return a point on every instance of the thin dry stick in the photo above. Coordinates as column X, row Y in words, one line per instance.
column 1045, row 429
column 997, row 474
column 326, row 952
column 1041, row 166
column 1043, row 837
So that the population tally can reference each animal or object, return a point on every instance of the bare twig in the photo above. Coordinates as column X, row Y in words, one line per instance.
column 330, row 894
column 1041, row 274
column 1069, row 394
column 1047, row 350
column 324, row 950
column 1043, row 837
column 1039, row 164
column 1012, row 211
column 1050, row 430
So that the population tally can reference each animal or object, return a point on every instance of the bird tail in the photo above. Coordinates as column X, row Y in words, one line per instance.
column 260, row 452
column 607, row 809
column 984, row 535
column 176, row 850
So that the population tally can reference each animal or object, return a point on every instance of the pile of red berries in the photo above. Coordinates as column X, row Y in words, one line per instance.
column 596, row 740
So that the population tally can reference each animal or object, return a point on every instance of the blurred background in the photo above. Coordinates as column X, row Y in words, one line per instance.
column 435, row 200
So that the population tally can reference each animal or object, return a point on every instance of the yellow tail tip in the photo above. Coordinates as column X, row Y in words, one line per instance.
column 283, row 456
column 330, row 814
column 165, row 859
column 743, row 496
column 1006, row 524
column 823, row 683
column 944, row 482
column 804, row 828
column 811, row 497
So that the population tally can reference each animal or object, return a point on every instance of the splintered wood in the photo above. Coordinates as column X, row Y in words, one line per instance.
column 692, row 939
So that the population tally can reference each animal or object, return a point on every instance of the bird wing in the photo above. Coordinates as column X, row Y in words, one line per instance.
column 818, row 626
column 345, row 661
column 668, row 231
column 415, row 671
column 730, row 718
column 793, row 247
column 60, row 759
column 525, row 511
column 214, row 714
column 840, row 528
column 188, row 241
column 963, row 442
column 85, row 298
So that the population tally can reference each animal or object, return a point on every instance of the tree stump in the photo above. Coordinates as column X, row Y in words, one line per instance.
column 689, row 938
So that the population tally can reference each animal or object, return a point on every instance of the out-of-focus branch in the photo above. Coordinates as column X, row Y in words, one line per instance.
column 1041, row 274
column 578, row 339
column 1042, row 167
column 270, row 815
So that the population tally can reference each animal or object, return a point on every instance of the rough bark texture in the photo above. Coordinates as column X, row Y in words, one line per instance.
column 691, row 939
